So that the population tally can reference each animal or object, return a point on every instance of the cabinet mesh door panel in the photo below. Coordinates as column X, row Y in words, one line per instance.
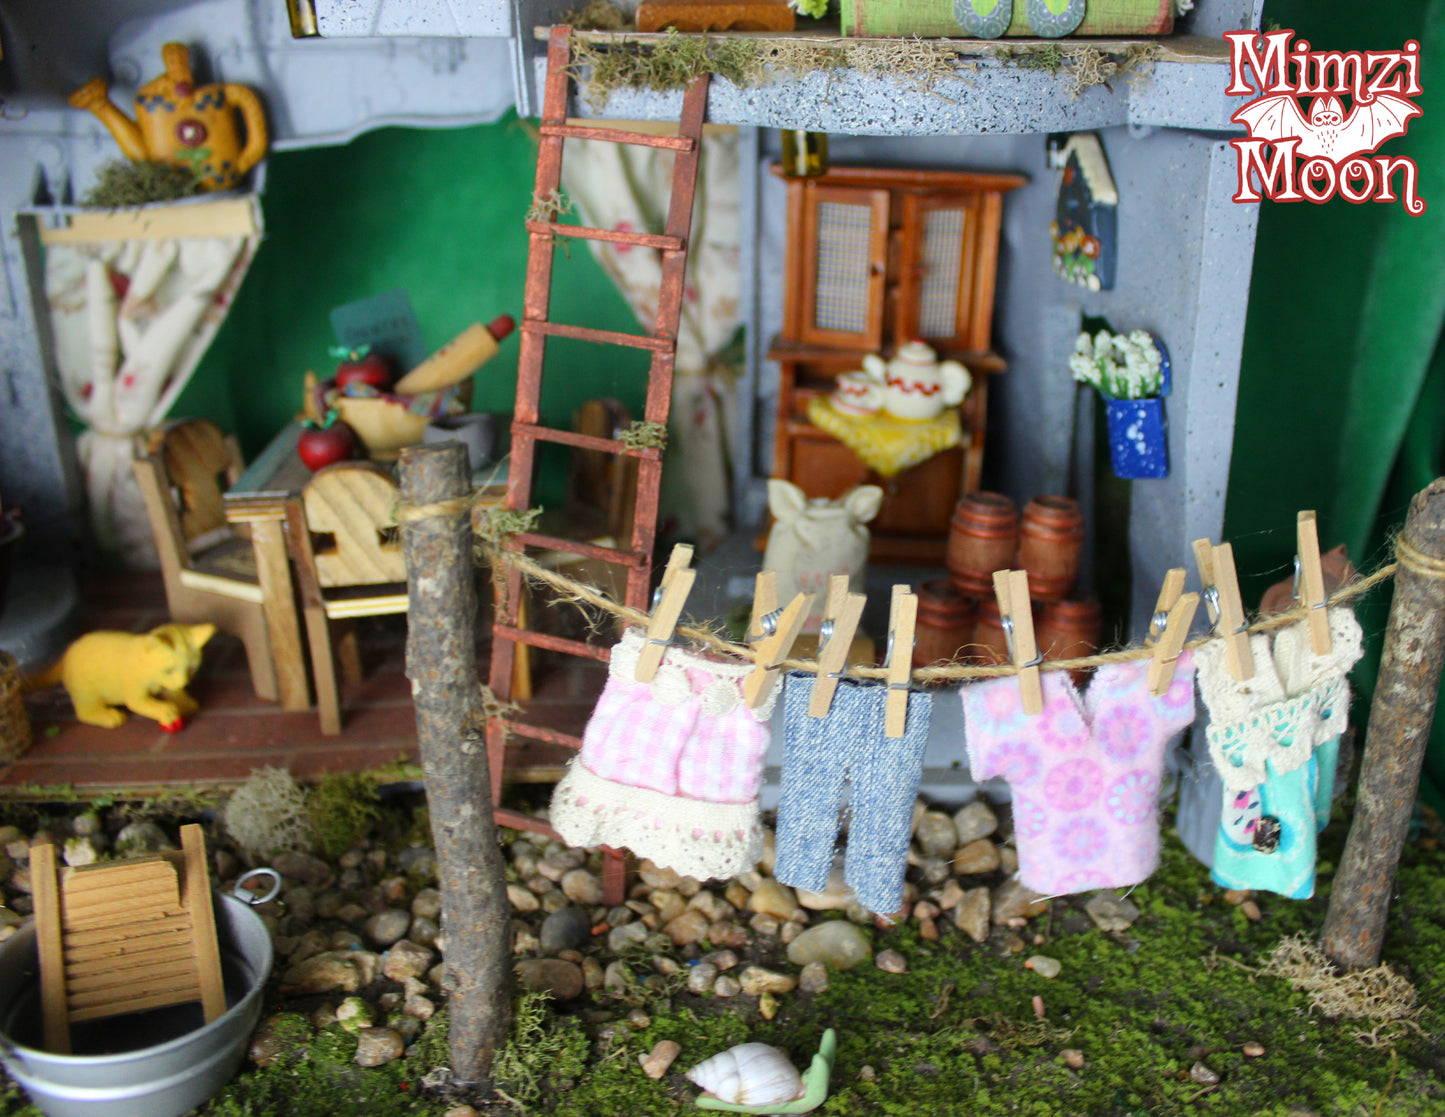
column 844, row 233
column 942, row 267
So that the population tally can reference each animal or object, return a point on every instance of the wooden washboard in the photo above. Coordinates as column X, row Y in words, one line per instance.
column 124, row 936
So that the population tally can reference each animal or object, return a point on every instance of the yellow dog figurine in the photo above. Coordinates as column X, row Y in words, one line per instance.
column 176, row 122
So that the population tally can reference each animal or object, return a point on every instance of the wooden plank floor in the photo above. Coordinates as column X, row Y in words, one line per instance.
column 235, row 732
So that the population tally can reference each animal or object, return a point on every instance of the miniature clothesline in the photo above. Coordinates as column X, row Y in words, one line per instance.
column 570, row 590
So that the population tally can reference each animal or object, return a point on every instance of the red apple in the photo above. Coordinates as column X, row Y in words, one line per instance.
column 360, row 366
column 321, row 445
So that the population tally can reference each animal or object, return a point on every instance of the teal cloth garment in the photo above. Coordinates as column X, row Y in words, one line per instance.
column 1274, row 740
column 1299, row 801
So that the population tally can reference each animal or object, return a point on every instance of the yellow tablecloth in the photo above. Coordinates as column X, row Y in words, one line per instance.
column 887, row 445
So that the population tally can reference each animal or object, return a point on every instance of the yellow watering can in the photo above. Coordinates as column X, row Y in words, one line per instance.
column 176, row 122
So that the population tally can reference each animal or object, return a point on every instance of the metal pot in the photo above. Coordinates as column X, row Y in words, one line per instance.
column 161, row 1063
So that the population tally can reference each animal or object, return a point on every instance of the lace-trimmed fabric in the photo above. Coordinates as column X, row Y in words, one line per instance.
column 1294, row 702
column 670, row 769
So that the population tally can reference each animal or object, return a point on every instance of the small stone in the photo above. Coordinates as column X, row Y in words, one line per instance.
column 1044, row 966
column 1008, row 860
column 562, row 979
column 838, row 944
column 890, row 961
column 581, row 887
column 814, row 978
column 386, row 927
column 858, row 914
column 274, row 1039
column 654, row 876
column 935, row 834
column 566, row 928
column 396, row 890
column 949, row 895
column 772, row 898
column 524, row 941
column 406, row 959
column 592, row 975
column 726, row 986
column 727, row 933
column 667, row 967
column 539, row 884
column 834, row 897
column 1073, row 1057
column 668, row 903
column 628, row 935
column 1236, row 896
column 80, row 850
column 1111, row 912
column 323, row 1017
column 1012, row 944
column 423, row 932
column 142, row 837
column 712, row 905
column 928, row 930
column 655, row 1064
column 1202, row 1075
column 1251, row 911
column 724, row 960
column 523, row 900
column 924, row 909
column 1253, row 1049
column 866, row 1073
column 353, row 1014
column 980, row 856
column 616, row 917
column 618, row 976
column 375, row 1047
column 701, row 977
column 934, row 870
column 427, row 903
column 639, row 1019
column 770, row 852
column 971, row 913
column 303, row 868
column 791, row 930
column 756, row 981
column 765, row 924
column 973, row 821
column 347, row 971
column 553, row 901
column 768, row 1006
column 690, row 926
column 1015, row 900
column 461, row 1111
column 737, row 895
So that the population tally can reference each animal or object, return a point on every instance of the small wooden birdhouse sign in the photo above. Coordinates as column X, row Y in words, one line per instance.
column 1086, row 227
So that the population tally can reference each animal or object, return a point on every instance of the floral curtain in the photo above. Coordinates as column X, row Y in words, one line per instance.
column 131, row 319
column 628, row 187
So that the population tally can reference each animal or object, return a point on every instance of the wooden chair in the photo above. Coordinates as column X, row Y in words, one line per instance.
column 124, row 936
column 347, row 551
column 209, row 570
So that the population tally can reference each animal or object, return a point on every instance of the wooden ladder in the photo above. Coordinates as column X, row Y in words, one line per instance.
column 527, row 431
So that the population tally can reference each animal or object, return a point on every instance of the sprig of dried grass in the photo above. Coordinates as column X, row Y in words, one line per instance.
column 1383, row 998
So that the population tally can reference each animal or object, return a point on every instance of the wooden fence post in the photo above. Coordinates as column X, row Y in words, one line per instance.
column 441, row 664
column 1399, row 730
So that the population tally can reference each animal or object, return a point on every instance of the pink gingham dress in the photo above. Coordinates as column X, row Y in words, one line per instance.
column 670, row 769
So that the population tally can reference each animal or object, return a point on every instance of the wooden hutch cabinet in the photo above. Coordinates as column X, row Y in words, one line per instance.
column 875, row 258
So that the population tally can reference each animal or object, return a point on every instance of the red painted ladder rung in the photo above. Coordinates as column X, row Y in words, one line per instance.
column 548, row 642
column 583, row 441
column 601, row 337
column 617, row 136
column 659, row 241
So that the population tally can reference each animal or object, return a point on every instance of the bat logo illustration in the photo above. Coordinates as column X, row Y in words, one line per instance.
column 1327, row 132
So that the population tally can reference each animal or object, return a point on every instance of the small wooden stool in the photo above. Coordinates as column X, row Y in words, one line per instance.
column 124, row 936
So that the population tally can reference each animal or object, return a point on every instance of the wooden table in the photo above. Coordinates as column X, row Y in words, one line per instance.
column 259, row 498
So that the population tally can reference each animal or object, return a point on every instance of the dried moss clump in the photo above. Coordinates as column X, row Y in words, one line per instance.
column 269, row 813
column 343, row 807
column 1383, row 998
column 673, row 62
column 543, row 1050
column 597, row 15
column 123, row 183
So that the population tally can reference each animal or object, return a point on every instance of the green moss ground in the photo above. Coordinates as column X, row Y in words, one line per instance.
column 958, row 1033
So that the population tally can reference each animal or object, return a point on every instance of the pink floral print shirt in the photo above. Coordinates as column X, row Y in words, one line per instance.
column 1085, row 773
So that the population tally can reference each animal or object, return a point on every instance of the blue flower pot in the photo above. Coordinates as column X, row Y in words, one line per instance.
column 1137, row 445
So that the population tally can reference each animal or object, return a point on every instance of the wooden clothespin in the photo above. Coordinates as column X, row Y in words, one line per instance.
column 1015, row 609
column 772, row 637
column 1168, row 594
column 902, row 620
column 1173, row 630
column 1226, row 607
column 671, row 596
column 1310, row 579
column 840, row 621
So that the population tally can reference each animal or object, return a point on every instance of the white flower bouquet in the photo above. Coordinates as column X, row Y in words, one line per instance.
column 1120, row 366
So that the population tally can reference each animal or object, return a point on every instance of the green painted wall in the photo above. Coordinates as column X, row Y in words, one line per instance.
column 438, row 213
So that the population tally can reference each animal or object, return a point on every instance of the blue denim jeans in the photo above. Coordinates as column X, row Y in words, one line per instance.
column 820, row 755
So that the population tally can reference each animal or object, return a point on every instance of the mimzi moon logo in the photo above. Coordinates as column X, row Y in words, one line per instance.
column 1304, row 144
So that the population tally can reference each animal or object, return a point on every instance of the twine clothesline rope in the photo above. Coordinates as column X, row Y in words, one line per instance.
column 571, row 590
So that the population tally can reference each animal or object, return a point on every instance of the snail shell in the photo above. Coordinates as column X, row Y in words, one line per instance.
column 749, row 1074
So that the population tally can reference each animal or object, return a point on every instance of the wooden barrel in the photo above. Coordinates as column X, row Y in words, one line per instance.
column 989, row 644
column 1051, row 543
column 982, row 538
column 945, row 623
column 1070, row 629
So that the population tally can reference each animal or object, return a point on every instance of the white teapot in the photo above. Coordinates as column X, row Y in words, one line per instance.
column 916, row 385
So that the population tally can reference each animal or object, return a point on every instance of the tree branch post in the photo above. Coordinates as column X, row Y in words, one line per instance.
column 441, row 663
column 1395, row 741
